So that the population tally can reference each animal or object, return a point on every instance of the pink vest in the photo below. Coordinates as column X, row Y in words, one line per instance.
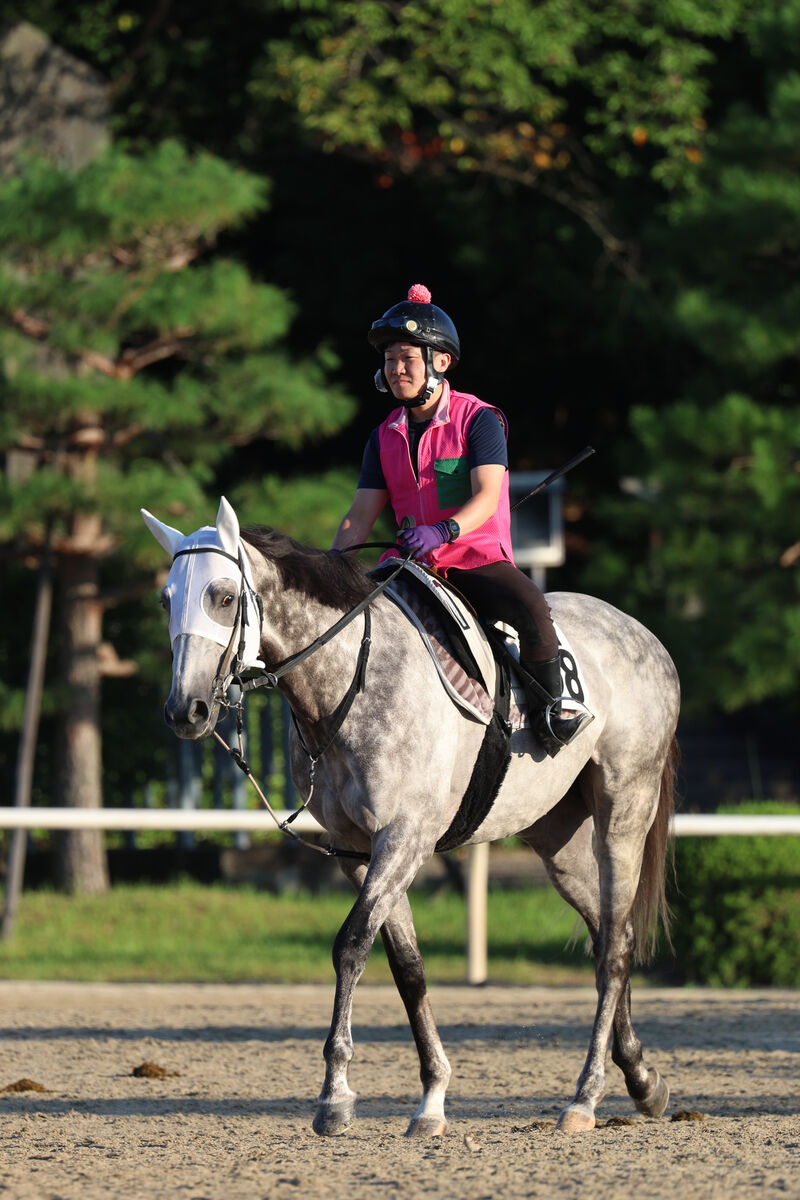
column 444, row 483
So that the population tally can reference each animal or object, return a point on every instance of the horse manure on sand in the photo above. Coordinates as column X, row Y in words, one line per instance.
column 151, row 1070
column 25, row 1085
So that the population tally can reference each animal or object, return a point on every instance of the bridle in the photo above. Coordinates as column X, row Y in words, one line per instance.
column 232, row 667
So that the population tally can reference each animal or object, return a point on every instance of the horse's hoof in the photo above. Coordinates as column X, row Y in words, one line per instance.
column 334, row 1118
column 654, row 1104
column 425, row 1127
column 577, row 1118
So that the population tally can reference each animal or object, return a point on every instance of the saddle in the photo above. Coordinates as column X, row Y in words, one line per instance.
column 477, row 662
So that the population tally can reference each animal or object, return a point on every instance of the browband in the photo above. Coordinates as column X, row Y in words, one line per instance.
column 206, row 550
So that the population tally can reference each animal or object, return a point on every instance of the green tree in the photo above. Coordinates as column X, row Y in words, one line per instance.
column 554, row 96
column 718, row 519
column 136, row 359
column 706, row 549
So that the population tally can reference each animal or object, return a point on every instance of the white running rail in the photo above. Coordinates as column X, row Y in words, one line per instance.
column 216, row 820
column 209, row 820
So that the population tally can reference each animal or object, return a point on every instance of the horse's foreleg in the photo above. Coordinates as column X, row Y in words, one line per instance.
column 383, row 887
column 336, row 1103
column 400, row 942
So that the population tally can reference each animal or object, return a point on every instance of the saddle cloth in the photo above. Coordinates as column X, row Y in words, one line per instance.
column 462, row 652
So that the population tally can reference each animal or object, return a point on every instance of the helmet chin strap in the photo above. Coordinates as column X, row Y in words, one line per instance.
column 434, row 378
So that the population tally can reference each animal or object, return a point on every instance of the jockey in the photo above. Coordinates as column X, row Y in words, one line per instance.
column 440, row 457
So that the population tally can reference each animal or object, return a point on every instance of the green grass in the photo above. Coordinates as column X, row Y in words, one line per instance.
column 189, row 932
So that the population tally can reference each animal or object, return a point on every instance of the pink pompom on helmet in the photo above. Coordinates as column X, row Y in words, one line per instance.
column 419, row 294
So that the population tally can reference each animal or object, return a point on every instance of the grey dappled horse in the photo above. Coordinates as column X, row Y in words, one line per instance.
column 393, row 778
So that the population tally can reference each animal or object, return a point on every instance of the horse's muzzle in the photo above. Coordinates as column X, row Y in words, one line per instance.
column 191, row 710
column 190, row 719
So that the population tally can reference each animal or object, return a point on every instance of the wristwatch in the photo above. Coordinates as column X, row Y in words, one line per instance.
column 453, row 527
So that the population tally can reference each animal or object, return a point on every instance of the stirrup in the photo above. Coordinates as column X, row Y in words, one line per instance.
column 556, row 731
column 566, row 729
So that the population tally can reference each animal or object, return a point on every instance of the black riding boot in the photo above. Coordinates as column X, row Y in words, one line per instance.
column 544, row 704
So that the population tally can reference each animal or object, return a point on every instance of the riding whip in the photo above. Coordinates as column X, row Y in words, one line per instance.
column 586, row 452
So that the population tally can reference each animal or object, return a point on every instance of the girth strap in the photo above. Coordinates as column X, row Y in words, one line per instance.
column 488, row 772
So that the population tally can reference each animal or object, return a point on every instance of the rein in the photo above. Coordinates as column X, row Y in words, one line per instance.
column 230, row 672
column 270, row 678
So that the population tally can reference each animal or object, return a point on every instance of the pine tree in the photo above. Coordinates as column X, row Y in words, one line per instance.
column 135, row 359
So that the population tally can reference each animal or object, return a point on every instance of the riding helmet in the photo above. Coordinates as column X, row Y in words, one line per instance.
column 416, row 320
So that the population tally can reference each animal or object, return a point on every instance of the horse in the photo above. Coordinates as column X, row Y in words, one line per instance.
column 389, row 780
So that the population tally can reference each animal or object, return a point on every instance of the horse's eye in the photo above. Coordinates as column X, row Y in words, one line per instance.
column 227, row 601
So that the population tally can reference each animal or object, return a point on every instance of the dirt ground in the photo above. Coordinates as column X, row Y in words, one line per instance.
column 234, row 1122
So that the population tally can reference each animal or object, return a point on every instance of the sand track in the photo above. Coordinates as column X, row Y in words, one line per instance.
column 235, row 1121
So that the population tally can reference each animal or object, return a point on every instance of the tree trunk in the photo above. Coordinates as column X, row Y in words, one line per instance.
column 81, row 859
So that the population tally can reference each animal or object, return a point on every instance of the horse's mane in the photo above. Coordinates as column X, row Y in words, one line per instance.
column 337, row 579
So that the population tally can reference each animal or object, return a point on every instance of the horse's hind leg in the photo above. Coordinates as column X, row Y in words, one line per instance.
column 647, row 1089
column 382, row 903
column 621, row 822
column 564, row 840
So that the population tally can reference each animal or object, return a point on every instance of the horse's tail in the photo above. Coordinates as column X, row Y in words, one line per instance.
column 650, row 908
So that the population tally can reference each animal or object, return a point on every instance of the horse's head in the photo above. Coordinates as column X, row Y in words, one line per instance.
column 214, row 618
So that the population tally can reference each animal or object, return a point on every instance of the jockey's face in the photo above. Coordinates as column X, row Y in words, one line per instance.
column 405, row 369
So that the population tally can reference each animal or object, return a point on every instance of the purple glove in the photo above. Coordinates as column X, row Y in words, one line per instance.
column 424, row 538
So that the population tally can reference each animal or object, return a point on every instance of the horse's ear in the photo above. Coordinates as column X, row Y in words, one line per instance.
column 228, row 527
column 165, row 535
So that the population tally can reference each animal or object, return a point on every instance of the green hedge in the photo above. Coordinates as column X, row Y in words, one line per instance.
column 736, row 907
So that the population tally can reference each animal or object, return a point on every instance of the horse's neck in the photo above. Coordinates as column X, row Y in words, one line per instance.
column 292, row 622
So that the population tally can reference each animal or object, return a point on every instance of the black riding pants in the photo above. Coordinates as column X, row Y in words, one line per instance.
column 501, row 592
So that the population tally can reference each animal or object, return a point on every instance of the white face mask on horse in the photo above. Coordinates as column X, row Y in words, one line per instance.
column 200, row 559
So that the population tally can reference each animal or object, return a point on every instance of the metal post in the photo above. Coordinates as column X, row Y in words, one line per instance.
column 266, row 716
column 290, row 795
column 28, row 736
column 477, row 906
column 190, row 785
column 539, row 577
